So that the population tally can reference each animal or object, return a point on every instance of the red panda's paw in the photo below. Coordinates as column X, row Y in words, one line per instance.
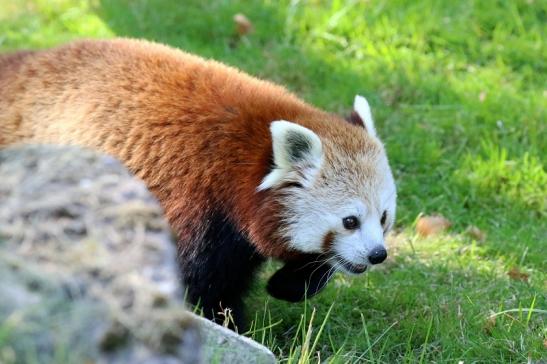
column 299, row 279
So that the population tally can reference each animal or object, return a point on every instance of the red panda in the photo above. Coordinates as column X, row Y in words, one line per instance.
column 243, row 169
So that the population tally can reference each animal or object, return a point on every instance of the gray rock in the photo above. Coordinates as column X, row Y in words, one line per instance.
column 87, row 264
column 88, row 269
column 225, row 346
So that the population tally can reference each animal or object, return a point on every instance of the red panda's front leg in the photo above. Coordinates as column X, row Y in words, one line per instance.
column 217, row 270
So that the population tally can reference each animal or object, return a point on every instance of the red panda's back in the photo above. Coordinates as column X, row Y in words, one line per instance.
column 195, row 130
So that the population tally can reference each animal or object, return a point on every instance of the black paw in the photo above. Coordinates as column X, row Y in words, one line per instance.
column 299, row 279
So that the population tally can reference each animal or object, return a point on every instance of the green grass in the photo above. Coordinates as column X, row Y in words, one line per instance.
column 459, row 93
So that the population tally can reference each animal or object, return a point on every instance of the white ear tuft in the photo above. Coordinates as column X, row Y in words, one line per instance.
column 361, row 107
column 295, row 149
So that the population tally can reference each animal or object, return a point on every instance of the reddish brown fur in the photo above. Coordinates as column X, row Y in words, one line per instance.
column 328, row 240
column 196, row 131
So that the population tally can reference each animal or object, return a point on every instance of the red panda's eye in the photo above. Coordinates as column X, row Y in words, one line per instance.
column 383, row 218
column 350, row 222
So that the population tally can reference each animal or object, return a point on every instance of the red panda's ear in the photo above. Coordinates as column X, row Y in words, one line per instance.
column 355, row 119
column 361, row 115
column 297, row 155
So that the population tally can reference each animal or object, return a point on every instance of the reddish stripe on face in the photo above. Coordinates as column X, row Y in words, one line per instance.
column 328, row 240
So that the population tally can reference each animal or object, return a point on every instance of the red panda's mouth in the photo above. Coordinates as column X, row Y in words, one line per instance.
column 352, row 268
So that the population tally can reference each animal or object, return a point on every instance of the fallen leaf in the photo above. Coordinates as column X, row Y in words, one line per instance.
column 475, row 233
column 432, row 225
column 489, row 324
column 243, row 24
column 518, row 275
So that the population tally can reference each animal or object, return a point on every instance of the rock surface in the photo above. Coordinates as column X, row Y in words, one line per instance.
column 222, row 345
column 88, row 269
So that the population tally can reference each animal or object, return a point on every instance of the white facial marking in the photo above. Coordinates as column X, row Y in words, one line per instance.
column 352, row 179
column 355, row 248
column 361, row 107
column 313, row 216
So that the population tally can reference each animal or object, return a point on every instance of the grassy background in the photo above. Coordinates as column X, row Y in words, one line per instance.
column 459, row 94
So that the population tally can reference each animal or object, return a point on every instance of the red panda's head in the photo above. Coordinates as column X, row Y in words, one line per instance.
column 336, row 189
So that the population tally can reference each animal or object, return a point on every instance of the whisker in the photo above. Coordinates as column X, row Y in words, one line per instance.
column 322, row 264
column 315, row 261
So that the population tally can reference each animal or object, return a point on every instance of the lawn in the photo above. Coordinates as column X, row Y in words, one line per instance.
column 459, row 92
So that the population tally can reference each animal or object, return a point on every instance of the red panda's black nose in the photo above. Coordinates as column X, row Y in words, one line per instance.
column 377, row 255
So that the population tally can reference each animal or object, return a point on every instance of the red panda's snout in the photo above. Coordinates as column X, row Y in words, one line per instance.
column 360, row 245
